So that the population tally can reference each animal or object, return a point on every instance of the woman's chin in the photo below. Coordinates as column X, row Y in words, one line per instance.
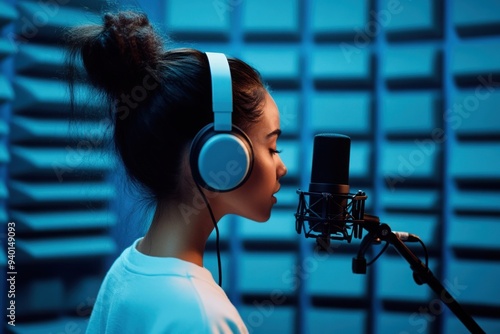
column 262, row 218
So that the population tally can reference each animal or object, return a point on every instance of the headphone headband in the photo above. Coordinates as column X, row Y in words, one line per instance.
column 222, row 102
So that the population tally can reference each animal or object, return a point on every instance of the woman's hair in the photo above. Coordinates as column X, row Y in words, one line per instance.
column 158, row 98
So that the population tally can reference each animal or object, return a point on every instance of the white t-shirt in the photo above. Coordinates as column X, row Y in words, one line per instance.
column 145, row 294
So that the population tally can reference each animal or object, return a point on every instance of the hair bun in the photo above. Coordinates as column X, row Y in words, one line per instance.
column 117, row 54
column 137, row 41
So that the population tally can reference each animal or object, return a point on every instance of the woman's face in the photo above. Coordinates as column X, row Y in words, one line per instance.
column 255, row 198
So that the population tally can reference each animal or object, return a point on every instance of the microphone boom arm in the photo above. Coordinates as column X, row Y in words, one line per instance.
column 421, row 273
column 349, row 221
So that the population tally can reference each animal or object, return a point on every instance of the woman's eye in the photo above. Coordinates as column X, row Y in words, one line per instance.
column 274, row 151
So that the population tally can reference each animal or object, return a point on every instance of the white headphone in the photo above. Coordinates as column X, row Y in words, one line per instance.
column 221, row 154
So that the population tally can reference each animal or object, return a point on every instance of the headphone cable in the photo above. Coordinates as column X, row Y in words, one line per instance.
column 216, row 232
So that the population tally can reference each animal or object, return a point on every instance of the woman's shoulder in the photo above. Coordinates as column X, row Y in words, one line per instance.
column 166, row 293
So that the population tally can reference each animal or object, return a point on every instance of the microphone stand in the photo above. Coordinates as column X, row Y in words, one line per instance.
column 421, row 273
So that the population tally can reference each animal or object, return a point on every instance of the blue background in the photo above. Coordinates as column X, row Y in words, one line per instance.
column 415, row 83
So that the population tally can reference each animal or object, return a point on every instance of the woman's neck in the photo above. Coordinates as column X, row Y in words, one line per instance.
column 178, row 230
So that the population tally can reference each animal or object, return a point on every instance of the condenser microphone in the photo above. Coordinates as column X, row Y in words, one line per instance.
column 333, row 213
column 329, row 186
column 329, row 210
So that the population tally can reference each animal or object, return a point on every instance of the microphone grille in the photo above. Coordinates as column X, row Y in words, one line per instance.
column 331, row 154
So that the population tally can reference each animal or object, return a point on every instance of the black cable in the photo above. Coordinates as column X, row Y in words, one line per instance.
column 379, row 254
column 416, row 238
column 425, row 251
column 216, row 232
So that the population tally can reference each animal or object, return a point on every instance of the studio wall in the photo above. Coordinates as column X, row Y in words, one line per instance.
column 415, row 84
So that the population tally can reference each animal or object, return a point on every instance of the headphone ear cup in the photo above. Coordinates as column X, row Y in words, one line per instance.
column 221, row 161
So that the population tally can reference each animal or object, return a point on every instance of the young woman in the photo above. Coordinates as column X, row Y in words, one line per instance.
column 160, row 100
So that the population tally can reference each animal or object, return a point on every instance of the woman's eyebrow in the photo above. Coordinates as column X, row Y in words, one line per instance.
column 276, row 132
